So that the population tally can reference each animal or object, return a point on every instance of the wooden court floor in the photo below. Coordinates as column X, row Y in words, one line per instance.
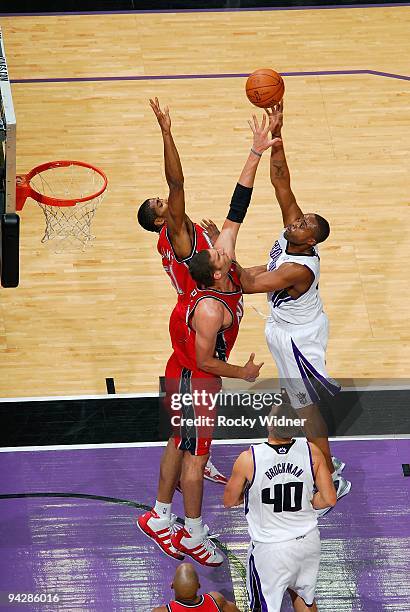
column 77, row 319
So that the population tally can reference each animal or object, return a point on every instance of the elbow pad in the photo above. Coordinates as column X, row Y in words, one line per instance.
column 239, row 203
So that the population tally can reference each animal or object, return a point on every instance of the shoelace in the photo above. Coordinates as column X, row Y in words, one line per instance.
column 207, row 539
column 173, row 525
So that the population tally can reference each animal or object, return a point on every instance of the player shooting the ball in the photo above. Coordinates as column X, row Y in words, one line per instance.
column 297, row 328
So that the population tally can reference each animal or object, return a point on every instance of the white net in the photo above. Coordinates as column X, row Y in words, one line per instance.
column 69, row 226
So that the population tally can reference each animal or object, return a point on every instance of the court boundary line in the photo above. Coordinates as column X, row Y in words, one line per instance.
column 210, row 10
column 241, row 441
column 106, row 396
column 228, row 75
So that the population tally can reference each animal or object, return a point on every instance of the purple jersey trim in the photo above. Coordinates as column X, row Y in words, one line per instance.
column 306, row 368
column 254, row 467
column 255, row 575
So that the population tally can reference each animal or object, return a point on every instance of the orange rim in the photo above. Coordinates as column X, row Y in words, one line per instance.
column 25, row 190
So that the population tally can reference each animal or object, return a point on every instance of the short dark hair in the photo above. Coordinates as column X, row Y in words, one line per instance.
column 146, row 217
column 322, row 230
column 286, row 430
column 201, row 269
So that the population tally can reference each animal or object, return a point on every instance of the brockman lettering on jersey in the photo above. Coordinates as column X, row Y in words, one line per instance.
column 284, row 468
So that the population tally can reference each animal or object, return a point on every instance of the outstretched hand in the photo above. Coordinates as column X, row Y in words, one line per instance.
column 211, row 229
column 275, row 114
column 163, row 117
column 251, row 369
column 261, row 137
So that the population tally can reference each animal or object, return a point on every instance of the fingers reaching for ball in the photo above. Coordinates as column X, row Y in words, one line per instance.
column 275, row 114
column 162, row 116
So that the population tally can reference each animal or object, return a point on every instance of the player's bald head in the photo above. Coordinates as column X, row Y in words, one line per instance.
column 186, row 582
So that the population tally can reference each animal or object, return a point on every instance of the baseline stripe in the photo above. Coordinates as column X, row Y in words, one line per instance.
column 241, row 441
column 52, row 398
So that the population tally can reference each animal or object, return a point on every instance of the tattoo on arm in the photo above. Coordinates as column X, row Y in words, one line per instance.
column 279, row 171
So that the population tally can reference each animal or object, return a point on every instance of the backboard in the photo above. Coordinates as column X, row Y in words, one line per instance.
column 9, row 253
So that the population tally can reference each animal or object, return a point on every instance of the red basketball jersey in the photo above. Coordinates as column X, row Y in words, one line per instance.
column 183, row 336
column 177, row 269
column 207, row 604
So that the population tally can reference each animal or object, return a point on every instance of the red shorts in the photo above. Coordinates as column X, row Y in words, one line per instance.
column 191, row 402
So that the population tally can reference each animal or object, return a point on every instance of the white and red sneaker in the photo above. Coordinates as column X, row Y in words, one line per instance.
column 200, row 549
column 160, row 530
column 214, row 475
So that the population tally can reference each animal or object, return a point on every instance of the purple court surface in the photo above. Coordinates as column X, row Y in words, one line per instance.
column 82, row 544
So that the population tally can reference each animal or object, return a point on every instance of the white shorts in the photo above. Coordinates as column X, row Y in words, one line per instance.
column 273, row 568
column 300, row 355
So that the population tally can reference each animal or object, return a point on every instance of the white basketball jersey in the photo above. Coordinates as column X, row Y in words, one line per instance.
column 285, row 308
column 277, row 502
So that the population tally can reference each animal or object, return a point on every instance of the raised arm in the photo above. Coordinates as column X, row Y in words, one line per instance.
column 243, row 191
column 213, row 233
column 326, row 492
column 279, row 171
column 175, row 179
column 207, row 321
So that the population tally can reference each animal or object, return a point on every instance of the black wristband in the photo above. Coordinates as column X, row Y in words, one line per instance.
column 241, row 198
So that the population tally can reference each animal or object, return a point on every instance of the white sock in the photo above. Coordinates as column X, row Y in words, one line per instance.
column 163, row 510
column 194, row 526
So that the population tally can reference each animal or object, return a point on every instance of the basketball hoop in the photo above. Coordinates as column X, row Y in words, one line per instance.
column 68, row 192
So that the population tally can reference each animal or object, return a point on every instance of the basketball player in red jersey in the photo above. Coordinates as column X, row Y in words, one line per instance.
column 185, row 586
column 179, row 238
column 202, row 341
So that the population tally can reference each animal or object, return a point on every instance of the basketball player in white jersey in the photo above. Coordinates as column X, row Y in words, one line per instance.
column 276, row 481
column 297, row 328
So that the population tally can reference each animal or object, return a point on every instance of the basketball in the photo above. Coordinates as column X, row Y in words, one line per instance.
column 265, row 87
